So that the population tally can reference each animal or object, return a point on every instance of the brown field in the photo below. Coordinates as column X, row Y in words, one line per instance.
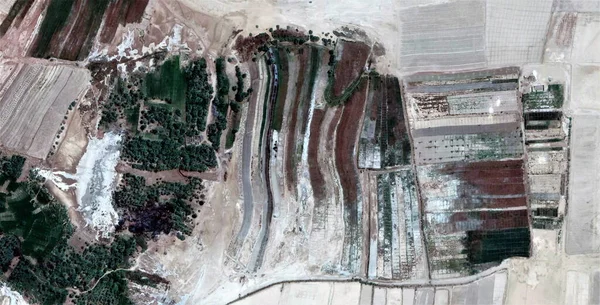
column 347, row 131
column 16, row 40
column 75, row 39
column 345, row 142
column 316, row 176
column 486, row 220
column 75, row 42
column 350, row 65
column 491, row 178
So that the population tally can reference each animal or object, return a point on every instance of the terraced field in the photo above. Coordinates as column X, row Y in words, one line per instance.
column 34, row 100
column 68, row 28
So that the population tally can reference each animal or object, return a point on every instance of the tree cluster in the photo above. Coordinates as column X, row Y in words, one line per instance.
column 11, row 167
column 220, row 105
column 198, row 95
column 10, row 246
column 168, row 154
column 47, row 280
column 158, row 208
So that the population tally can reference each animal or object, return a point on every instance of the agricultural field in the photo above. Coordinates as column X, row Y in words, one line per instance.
column 399, row 246
column 350, row 59
column 469, row 116
column 456, row 43
column 383, row 139
column 546, row 142
column 56, row 36
column 347, row 132
column 276, row 152
column 34, row 100
column 476, row 215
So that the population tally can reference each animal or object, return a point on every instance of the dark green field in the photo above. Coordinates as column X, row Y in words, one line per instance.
column 167, row 83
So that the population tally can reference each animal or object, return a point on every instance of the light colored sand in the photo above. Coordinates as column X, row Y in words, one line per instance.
column 96, row 179
column 587, row 39
column 585, row 94
column 583, row 215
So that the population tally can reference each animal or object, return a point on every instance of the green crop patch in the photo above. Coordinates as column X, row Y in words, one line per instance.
column 167, row 83
column 495, row 246
column 550, row 99
column 159, row 132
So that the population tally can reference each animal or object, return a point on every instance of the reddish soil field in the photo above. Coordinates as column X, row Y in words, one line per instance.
column 492, row 178
column 290, row 151
column 347, row 131
column 351, row 65
column 487, row 184
column 488, row 220
column 316, row 176
column 121, row 12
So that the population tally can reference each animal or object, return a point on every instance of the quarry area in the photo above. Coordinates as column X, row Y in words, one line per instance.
column 430, row 152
